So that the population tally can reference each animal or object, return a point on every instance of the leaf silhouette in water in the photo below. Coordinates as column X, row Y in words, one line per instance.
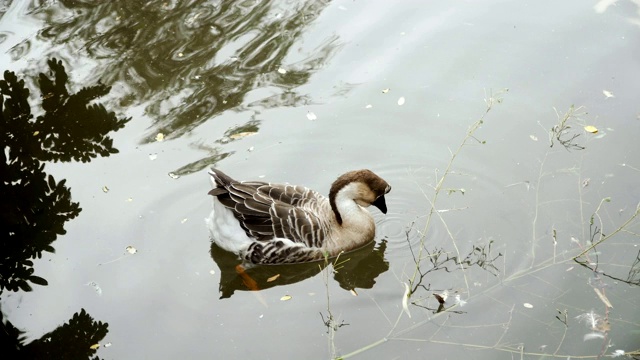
column 38, row 280
column 72, row 128
column 35, row 206
column 79, row 338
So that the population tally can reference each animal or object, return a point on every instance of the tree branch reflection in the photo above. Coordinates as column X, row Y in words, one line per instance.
column 35, row 206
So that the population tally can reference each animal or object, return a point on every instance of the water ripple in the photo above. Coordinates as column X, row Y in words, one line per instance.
column 19, row 50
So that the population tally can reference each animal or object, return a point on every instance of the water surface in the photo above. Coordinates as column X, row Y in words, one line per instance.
column 235, row 84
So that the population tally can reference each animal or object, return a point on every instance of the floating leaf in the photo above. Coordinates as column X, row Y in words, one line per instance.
column 401, row 101
column 369, row 106
column 593, row 335
column 592, row 129
column 445, row 295
column 153, row 156
column 105, row 189
column 184, row 220
column 282, row 71
column 285, row 298
column 95, row 287
column 160, row 137
column 608, row 94
column 241, row 135
column 405, row 299
column 131, row 250
column 107, row 344
column 311, row 116
column 94, row 346
column 533, row 137
column 273, row 278
column 527, row 305
column 384, row 91
column 603, row 297
column 129, row 199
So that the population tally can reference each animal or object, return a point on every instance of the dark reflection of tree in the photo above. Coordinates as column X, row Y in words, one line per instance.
column 193, row 60
column 355, row 269
column 34, row 205
column 73, row 340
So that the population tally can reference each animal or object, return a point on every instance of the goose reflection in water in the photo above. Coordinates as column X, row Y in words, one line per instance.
column 355, row 269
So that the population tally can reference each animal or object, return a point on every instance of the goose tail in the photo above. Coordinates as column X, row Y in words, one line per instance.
column 221, row 181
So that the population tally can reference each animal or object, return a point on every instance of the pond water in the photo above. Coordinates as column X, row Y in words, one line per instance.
column 478, row 113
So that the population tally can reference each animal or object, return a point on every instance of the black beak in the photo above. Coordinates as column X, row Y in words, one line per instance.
column 380, row 204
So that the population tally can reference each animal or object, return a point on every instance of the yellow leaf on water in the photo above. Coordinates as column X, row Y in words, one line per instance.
column 131, row 250
column 241, row 135
column 285, row 298
column 94, row 346
column 273, row 278
column 592, row 129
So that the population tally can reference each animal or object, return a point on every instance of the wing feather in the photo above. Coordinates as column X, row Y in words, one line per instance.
column 266, row 211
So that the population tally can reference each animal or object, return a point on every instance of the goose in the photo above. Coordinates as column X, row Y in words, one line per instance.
column 265, row 223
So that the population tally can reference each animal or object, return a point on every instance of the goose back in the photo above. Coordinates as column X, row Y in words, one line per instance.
column 266, row 211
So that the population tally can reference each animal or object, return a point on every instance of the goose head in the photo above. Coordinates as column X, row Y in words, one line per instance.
column 361, row 186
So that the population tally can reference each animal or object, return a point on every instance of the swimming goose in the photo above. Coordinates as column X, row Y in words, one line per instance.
column 268, row 223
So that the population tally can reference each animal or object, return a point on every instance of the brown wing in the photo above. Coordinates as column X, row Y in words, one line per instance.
column 266, row 211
